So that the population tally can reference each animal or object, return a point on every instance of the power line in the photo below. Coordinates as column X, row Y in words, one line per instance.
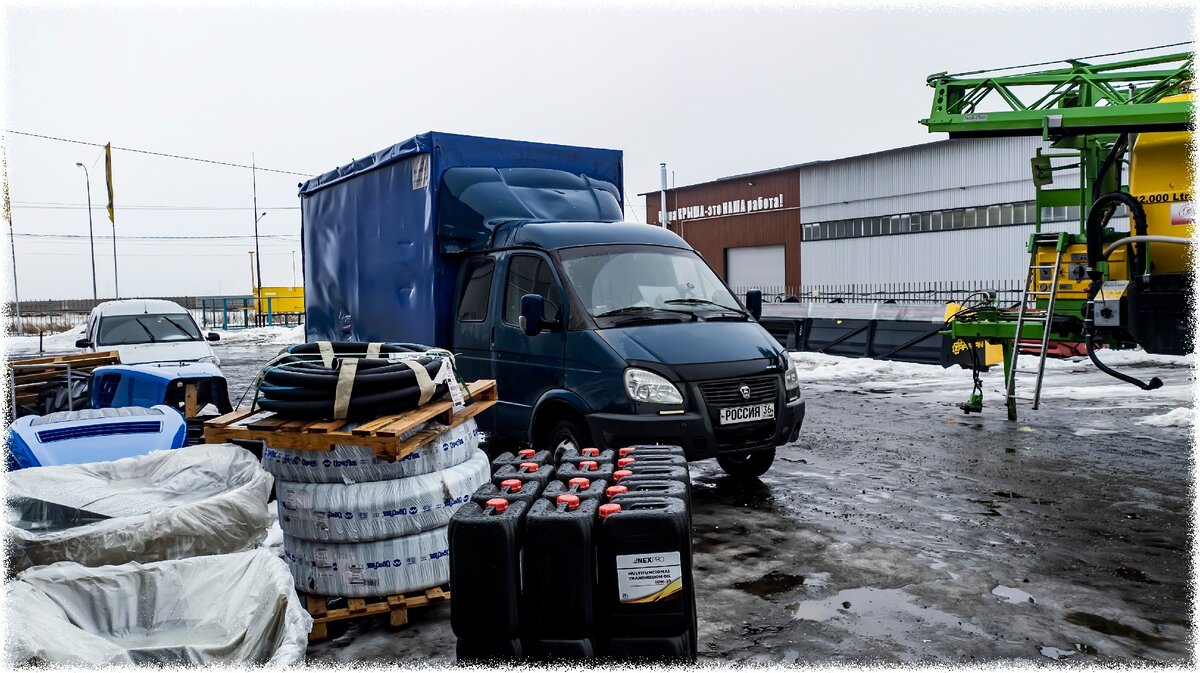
column 1034, row 65
column 158, row 154
column 160, row 238
column 50, row 205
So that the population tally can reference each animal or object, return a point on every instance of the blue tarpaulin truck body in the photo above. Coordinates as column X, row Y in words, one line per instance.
column 377, row 266
column 513, row 255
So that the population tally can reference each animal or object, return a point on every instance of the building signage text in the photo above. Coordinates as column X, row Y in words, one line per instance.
column 734, row 207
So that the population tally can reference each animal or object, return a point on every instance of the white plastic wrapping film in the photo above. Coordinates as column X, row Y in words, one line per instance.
column 377, row 510
column 224, row 610
column 192, row 501
column 347, row 464
column 381, row 568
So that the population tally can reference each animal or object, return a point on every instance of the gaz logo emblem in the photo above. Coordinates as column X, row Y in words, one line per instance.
column 745, row 391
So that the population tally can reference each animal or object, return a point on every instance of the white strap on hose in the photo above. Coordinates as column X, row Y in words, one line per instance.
column 345, row 385
column 373, row 349
column 326, row 353
column 423, row 381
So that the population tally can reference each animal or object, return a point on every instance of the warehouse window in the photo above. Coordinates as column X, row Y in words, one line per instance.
column 968, row 217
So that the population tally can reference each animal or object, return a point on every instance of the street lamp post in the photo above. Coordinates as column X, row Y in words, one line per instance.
column 91, row 239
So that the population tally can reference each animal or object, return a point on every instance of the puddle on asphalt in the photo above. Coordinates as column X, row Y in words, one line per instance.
column 1055, row 653
column 727, row 490
column 1012, row 594
column 1134, row 575
column 877, row 612
column 770, row 584
column 1112, row 627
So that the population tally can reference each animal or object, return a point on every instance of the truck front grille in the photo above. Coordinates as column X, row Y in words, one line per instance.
column 727, row 393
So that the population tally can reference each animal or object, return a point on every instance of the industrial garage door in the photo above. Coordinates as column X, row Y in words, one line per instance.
column 760, row 266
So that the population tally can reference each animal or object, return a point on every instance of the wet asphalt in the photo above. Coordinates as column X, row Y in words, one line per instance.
column 898, row 530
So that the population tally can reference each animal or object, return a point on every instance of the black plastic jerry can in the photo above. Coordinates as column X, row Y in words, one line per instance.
column 646, row 605
column 560, row 576
column 485, row 578
column 527, row 472
column 630, row 488
column 513, row 490
column 581, row 486
column 639, row 471
column 651, row 449
column 521, row 456
column 586, row 453
column 651, row 459
column 586, row 468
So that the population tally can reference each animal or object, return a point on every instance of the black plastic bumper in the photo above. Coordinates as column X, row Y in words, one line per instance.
column 693, row 431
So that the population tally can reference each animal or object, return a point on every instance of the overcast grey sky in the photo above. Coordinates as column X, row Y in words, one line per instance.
column 711, row 91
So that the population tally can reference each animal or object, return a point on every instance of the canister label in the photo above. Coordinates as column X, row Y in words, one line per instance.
column 647, row 578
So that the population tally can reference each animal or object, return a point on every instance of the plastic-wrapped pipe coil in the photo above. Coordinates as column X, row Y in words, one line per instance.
column 349, row 464
column 225, row 609
column 341, row 382
column 377, row 510
column 378, row 568
column 193, row 501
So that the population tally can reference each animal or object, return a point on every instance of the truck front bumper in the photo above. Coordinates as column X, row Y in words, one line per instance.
column 693, row 431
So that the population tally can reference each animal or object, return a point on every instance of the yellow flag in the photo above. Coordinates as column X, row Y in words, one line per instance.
column 108, row 179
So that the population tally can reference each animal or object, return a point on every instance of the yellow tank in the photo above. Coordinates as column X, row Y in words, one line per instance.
column 281, row 300
column 1161, row 180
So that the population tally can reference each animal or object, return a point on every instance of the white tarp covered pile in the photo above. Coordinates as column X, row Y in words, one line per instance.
column 229, row 608
column 193, row 501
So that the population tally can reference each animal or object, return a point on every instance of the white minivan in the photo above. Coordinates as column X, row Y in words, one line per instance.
column 147, row 330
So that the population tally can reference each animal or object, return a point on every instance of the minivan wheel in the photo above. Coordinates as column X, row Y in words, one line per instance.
column 565, row 436
column 747, row 465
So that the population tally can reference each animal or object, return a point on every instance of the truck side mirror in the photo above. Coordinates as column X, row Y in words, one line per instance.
column 213, row 336
column 532, row 306
column 82, row 343
column 754, row 302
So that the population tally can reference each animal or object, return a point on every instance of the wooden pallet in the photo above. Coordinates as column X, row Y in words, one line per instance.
column 381, row 434
column 396, row 606
column 29, row 375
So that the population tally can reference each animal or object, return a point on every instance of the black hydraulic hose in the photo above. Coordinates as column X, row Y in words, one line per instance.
column 1088, row 339
column 1098, row 216
column 1111, row 160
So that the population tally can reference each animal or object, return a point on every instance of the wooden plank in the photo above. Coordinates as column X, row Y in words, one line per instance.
column 226, row 419
column 102, row 357
column 369, row 427
column 268, row 423
column 324, row 426
column 315, row 604
column 356, row 605
column 191, row 398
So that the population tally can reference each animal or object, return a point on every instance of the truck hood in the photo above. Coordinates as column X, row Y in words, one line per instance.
column 692, row 343
column 167, row 351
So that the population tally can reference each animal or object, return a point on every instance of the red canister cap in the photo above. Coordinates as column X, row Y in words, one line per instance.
column 625, row 451
column 610, row 508
column 612, row 491
column 529, row 467
column 513, row 485
column 590, row 451
column 526, row 453
column 624, row 462
column 589, row 465
column 568, row 499
column 621, row 474
column 581, row 483
column 498, row 504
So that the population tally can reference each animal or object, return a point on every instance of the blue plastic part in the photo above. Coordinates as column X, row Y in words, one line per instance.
column 142, row 385
column 374, row 238
column 87, row 440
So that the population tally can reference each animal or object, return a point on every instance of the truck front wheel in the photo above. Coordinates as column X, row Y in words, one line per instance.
column 747, row 465
column 565, row 436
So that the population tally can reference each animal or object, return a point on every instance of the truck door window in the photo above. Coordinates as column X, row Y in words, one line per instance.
column 477, row 289
column 529, row 275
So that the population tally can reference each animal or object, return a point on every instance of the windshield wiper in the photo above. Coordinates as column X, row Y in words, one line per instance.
column 643, row 309
column 180, row 328
column 694, row 302
column 146, row 329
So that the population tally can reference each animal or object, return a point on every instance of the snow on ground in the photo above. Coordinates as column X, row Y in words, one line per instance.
column 266, row 336
column 1182, row 417
column 60, row 342
column 64, row 342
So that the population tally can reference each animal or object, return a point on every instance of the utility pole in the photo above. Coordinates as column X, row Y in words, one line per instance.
column 258, row 255
column 91, row 238
column 293, row 268
column 12, row 242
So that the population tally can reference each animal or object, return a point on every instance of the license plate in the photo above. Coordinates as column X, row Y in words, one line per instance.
column 753, row 412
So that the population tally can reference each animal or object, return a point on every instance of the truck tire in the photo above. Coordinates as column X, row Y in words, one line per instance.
column 564, row 436
column 747, row 465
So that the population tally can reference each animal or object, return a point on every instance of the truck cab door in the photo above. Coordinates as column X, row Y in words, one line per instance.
column 474, row 324
column 527, row 366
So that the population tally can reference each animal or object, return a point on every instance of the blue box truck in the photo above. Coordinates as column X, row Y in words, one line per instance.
column 514, row 256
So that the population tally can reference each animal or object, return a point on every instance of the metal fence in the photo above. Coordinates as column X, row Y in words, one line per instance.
column 210, row 312
column 931, row 292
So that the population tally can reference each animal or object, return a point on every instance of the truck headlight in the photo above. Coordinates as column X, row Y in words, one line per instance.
column 644, row 386
column 791, row 375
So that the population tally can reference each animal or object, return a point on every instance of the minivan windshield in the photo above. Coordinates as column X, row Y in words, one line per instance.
column 646, row 281
column 144, row 328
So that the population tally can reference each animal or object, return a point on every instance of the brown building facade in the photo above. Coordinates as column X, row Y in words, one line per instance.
column 747, row 227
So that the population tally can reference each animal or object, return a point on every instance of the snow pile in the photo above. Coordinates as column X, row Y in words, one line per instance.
column 822, row 368
column 1183, row 417
column 267, row 336
column 60, row 342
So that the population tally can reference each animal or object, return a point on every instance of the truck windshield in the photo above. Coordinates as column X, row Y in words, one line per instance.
column 144, row 328
column 643, row 280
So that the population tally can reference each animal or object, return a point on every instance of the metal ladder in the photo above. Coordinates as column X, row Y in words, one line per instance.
column 1032, row 293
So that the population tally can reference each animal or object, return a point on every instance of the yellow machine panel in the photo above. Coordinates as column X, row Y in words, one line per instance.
column 281, row 300
column 1161, row 180
column 1073, row 282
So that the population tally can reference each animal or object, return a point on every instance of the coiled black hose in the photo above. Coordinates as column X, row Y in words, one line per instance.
column 298, row 384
